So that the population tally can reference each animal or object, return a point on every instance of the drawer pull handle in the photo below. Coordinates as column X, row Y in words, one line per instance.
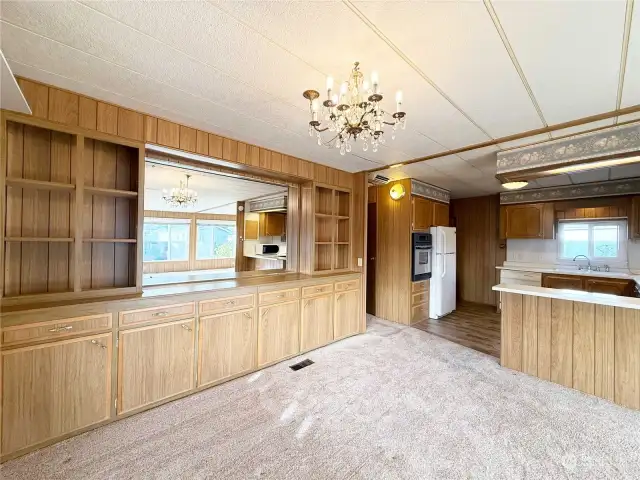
column 66, row 328
column 186, row 327
column 319, row 289
column 248, row 315
column 160, row 314
column 95, row 342
column 280, row 296
column 230, row 302
column 264, row 312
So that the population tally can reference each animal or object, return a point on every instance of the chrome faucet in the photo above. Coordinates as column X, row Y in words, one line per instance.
column 580, row 267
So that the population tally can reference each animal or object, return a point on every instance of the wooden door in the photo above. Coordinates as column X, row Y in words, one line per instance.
column 53, row 389
column 226, row 345
column 155, row 363
column 524, row 221
column 609, row 285
column 346, row 320
column 422, row 215
column 440, row 214
column 316, row 322
column 372, row 246
column 278, row 332
column 567, row 282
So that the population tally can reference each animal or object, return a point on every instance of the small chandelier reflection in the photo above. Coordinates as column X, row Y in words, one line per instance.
column 356, row 114
column 182, row 196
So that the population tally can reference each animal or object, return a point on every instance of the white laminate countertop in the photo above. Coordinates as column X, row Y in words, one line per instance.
column 572, row 271
column 267, row 256
column 573, row 295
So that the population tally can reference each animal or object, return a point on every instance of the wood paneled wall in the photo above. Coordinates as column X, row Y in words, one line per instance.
column 592, row 348
column 478, row 247
column 192, row 263
column 393, row 259
column 75, row 110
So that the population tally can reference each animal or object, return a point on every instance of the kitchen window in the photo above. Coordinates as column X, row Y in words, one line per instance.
column 602, row 241
column 165, row 240
column 215, row 239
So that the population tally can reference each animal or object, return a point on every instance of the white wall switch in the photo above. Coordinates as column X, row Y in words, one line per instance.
column 359, row 261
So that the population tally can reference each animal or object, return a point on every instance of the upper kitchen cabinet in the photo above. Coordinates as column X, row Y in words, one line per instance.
column 440, row 214
column 272, row 224
column 422, row 213
column 533, row 220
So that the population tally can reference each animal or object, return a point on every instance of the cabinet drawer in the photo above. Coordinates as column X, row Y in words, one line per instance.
column 420, row 312
column 515, row 275
column 418, row 298
column 317, row 290
column 279, row 296
column 420, row 286
column 145, row 315
column 229, row 304
column 53, row 330
column 348, row 285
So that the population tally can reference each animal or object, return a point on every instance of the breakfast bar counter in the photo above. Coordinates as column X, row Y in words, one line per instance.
column 582, row 340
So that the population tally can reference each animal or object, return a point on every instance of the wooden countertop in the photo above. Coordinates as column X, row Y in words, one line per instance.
column 572, row 295
column 160, row 291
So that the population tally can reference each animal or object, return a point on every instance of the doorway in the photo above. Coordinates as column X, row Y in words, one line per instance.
column 372, row 228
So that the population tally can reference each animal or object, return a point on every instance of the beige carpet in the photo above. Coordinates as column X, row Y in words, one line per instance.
column 393, row 403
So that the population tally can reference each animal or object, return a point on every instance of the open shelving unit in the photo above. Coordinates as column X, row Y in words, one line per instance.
column 73, row 213
column 329, row 243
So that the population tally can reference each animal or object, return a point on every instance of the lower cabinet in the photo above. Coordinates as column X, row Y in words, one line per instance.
column 53, row 389
column 278, row 332
column 613, row 286
column 316, row 322
column 155, row 363
column 227, row 346
column 347, row 319
column 566, row 282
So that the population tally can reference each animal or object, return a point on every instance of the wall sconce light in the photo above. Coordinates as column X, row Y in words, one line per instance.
column 397, row 191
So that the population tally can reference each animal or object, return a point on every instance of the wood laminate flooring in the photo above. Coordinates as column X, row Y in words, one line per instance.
column 471, row 325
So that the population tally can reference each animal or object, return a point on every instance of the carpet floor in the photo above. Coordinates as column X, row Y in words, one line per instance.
column 394, row 403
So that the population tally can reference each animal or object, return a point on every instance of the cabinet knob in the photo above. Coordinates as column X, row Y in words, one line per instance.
column 186, row 327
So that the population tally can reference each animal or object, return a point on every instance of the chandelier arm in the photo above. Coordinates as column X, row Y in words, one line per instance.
column 320, row 130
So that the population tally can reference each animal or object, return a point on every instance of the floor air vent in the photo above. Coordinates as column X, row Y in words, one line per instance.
column 305, row 363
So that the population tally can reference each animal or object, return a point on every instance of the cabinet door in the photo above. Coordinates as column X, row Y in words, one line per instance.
column 524, row 221
column 155, row 363
column 422, row 213
column 347, row 319
column 609, row 285
column 227, row 345
column 440, row 214
column 53, row 389
column 278, row 332
column 316, row 322
column 272, row 224
column 567, row 282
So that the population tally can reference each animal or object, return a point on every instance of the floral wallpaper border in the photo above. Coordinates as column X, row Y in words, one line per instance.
column 616, row 140
column 279, row 202
column 430, row 191
column 569, row 192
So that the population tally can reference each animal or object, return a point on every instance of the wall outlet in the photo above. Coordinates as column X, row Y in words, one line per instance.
column 359, row 261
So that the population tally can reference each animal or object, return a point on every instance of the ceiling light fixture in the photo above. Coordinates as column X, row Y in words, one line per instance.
column 514, row 185
column 354, row 114
column 182, row 196
column 593, row 165
column 397, row 191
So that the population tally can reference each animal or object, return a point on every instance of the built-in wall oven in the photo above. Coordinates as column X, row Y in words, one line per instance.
column 421, row 256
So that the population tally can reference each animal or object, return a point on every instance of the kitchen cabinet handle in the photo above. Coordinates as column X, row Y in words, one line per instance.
column 265, row 311
column 186, row 327
column 160, row 314
column 280, row 296
column 306, row 304
column 339, row 296
column 248, row 315
column 65, row 328
column 95, row 342
column 230, row 302
column 319, row 289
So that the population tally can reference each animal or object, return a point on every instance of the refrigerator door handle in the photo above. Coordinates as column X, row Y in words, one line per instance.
column 444, row 241
column 444, row 266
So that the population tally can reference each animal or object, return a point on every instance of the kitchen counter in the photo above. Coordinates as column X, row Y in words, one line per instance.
column 573, row 271
column 267, row 257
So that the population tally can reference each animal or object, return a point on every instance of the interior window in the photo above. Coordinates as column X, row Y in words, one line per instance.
column 215, row 239
column 165, row 240
column 603, row 240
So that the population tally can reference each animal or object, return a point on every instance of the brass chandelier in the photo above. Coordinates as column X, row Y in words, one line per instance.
column 182, row 196
column 355, row 114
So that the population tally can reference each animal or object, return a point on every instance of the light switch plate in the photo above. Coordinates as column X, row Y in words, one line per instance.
column 359, row 261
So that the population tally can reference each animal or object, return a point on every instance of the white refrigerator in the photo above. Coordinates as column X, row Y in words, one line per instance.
column 442, row 296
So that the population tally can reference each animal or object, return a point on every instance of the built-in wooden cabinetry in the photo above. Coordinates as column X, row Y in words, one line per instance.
column 529, row 220
column 614, row 286
column 60, row 377
column 634, row 223
column 73, row 213
column 419, row 301
column 428, row 213
column 273, row 224
column 325, row 243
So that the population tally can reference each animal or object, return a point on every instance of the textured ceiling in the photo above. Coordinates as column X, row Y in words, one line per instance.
column 214, row 191
column 470, row 71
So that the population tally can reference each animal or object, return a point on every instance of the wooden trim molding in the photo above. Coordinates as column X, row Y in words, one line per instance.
column 430, row 191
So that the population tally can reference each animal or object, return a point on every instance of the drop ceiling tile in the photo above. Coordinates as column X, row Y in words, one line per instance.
column 631, row 89
column 569, row 52
column 525, row 141
column 478, row 152
column 629, row 117
column 553, row 181
column 582, row 128
column 452, row 43
column 599, row 175
column 447, row 162
column 625, row 171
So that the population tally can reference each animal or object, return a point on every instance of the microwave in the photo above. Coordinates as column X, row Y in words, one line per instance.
column 268, row 249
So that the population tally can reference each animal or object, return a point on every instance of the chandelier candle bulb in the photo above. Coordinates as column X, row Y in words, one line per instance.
column 374, row 81
column 398, row 100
